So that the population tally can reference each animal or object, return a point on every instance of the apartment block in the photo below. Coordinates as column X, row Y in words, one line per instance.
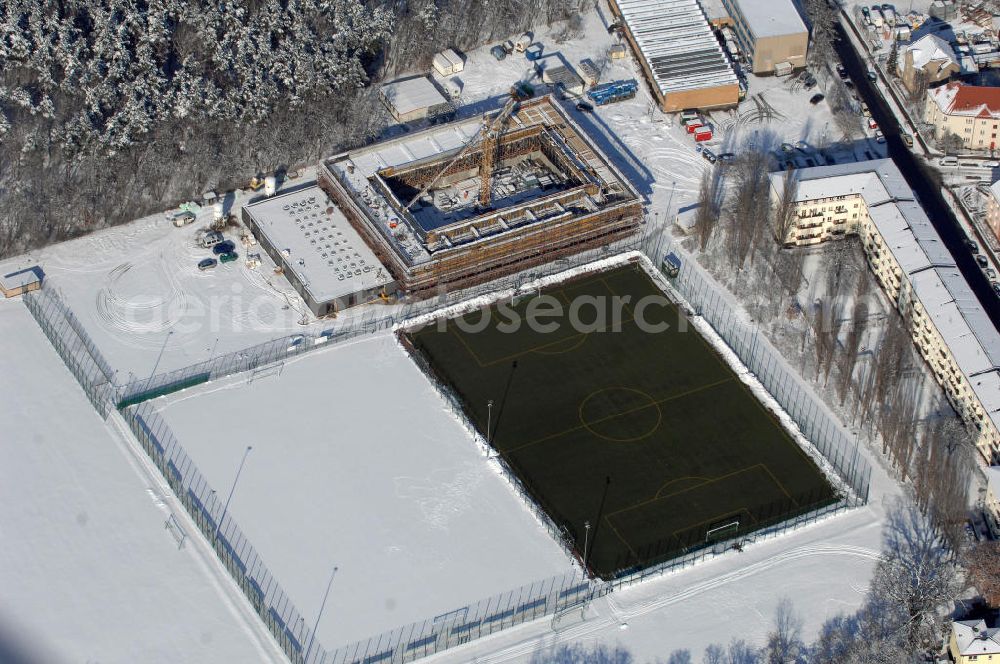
column 971, row 112
column 948, row 325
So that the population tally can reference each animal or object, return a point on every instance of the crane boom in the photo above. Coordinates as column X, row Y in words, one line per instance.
column 489, row 133
column 490, row 144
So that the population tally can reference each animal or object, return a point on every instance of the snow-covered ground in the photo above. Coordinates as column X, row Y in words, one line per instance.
column 357, row 463
column 824, row 570
column 88, row 573
column 137, row 289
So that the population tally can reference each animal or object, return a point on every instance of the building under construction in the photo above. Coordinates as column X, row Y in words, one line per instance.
column 470, row 201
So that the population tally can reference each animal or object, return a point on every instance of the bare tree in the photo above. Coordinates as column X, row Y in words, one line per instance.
column 784, row 210
column 983, row 564
column 784, row 641
column 857, row 327
column 749, row 206
column 950, row 142
column 710, row 196
column 918, row 573
column 918, row 91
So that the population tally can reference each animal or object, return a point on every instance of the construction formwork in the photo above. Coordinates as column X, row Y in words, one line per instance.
column 595, row 206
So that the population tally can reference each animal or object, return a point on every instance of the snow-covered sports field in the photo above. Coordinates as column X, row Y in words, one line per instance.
column 88, row 573
column 357, row 463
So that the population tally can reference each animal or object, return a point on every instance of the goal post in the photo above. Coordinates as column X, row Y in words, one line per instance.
column 723, row 531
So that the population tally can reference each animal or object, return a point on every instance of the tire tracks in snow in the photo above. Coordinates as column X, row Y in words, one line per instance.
column 632, row 610
column 620, row 612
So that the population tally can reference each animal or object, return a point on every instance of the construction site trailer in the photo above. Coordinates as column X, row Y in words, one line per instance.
column 412, row 99
column 617, row 52
column 681, row 59
column 442, row 64
column 320, row 253
column 21, row 281
column 456, row 60
column 565, row 78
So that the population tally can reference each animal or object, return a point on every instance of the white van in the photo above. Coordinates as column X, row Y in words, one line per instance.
column 948, row 161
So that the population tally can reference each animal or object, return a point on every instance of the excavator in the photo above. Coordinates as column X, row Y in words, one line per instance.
column 488, row 136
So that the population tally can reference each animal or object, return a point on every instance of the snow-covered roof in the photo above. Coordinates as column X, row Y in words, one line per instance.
column 324, row 251
column 973, row 637
column 932, row 48
column 675, row 40
column 967, row 100
column 937, row 283
column 771, row 18
column 993, row 480
column 411, row 94
column 995, row 190
column 21, row 278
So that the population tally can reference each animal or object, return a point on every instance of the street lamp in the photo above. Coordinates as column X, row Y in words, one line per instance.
column 489, row 421
column 586, row 539
column 319, row 615
column 232, row 489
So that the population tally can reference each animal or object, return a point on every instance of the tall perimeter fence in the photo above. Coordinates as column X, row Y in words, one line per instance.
column 271, row 353
column 816, row 423
column 555, row 596
column 71, row 341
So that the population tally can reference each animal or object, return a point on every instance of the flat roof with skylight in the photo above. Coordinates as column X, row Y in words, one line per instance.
column 314, row 241
column 675, row 39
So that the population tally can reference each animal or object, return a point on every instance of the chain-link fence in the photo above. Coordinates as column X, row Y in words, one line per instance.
column 373, row 319
column 206, row 509
column 529, row 602
column 276, row 609
column 816, row 423
column 543, row 598
column 73, row 345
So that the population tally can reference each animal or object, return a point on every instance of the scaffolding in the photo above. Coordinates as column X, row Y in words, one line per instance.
column 594, row 203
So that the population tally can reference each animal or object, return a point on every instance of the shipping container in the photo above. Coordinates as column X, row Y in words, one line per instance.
column 457, row 62
column 703, row 134
column 443, row 65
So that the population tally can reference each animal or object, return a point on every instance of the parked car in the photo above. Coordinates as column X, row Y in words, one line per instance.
column 228, row 257
column 973, row 247
column 498, row 52
column 983, row 263
column 879, row 137
column 207, row 264
column 209, row 239
column 991, row 273
column 996, row 287
column 801, row 145
column 223, row 247
column 817, row 98
column 183, row 218
column 872, row 76
column 787, row 147
column 709, row 156
column 584, row 106
column 727, row 157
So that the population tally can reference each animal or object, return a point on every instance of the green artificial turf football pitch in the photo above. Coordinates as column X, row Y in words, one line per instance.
column 692, row 455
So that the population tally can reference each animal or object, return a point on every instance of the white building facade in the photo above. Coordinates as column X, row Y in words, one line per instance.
column 948, row 325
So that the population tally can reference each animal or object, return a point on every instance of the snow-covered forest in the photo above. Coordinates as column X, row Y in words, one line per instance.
column 112, row 109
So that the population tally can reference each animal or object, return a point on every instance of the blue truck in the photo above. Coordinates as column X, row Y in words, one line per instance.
column 608, row 93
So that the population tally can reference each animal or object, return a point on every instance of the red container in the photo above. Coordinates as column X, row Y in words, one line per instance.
column 693, row 125
column 702, row 134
